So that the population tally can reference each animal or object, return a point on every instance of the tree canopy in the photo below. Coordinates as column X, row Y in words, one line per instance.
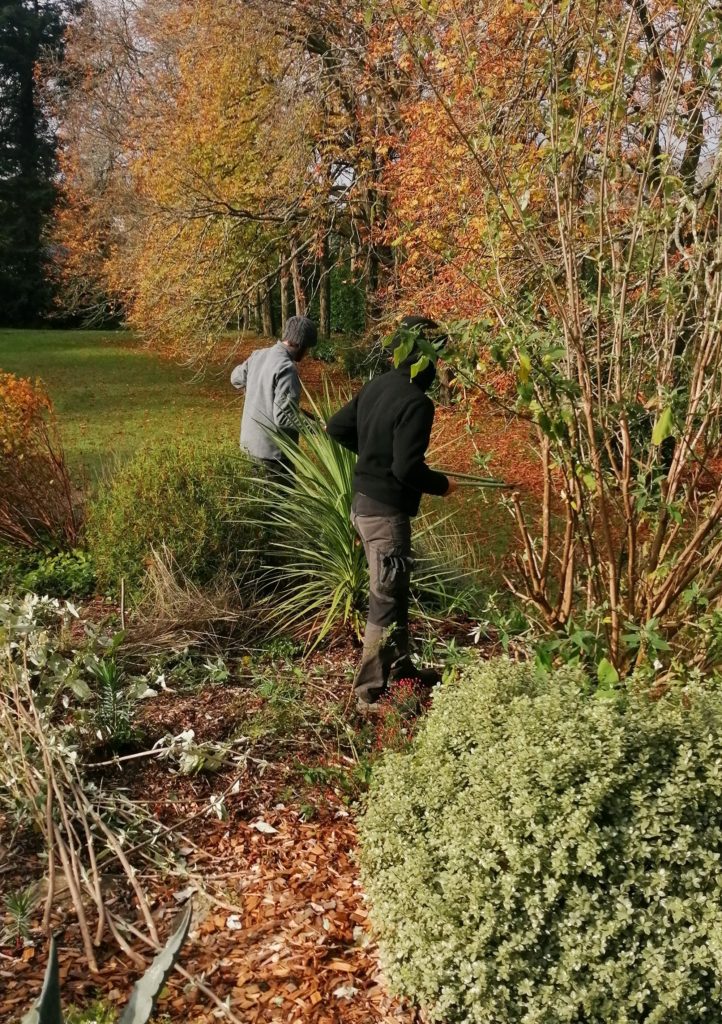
column 217, row 156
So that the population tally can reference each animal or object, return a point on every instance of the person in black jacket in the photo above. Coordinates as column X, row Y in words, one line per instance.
column 388, row 424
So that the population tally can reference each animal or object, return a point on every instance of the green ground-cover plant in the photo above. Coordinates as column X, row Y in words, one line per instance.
column 18, row 907
column 560, row 846
column 97, row 1013
column 184, row 671
column 174, row 497
column 63, row 574
column 15, row 563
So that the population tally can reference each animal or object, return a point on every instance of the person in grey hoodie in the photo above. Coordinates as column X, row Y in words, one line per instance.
column 273, row 390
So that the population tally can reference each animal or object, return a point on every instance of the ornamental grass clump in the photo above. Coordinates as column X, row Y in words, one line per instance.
column 315, row 570
column 542, row 855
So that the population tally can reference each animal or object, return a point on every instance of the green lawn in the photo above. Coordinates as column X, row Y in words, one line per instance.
column 112, row 396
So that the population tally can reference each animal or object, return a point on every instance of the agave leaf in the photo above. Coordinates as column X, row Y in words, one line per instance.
column 146, row 991
column 47, row 1010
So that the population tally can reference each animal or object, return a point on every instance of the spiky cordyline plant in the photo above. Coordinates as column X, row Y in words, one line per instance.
column 317, row 574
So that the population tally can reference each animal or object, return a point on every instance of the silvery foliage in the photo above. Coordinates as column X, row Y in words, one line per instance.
column 36, row 640
column 543, row 855
column 193, row 757
column 34, row 637
column 144, row 997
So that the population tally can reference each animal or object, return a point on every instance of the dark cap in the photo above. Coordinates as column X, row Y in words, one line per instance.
column 422, row 326
column 420, row 323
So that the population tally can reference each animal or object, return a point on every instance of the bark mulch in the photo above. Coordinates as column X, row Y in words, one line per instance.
column 289, row 942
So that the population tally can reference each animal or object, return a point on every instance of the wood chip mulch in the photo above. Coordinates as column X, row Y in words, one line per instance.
column 287, row 942
column 299, row 949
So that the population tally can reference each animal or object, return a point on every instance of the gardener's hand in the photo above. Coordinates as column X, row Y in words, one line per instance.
column 453, row 486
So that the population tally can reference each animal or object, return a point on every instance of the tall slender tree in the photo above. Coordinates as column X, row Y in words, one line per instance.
column 29, row 30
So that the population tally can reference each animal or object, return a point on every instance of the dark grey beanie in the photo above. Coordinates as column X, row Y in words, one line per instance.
column 300, row 333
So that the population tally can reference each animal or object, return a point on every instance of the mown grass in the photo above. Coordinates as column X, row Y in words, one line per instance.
column 112, row 395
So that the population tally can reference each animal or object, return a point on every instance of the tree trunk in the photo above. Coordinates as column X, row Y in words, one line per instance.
column 257, row 312
column 373, row 310
column 285, row 280
column 356, row 261
column 324, row 326
column 445, row 377
column 299, row 295
column 267, row 314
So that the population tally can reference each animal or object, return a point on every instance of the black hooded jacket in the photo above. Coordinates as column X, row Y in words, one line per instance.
column 388, row 423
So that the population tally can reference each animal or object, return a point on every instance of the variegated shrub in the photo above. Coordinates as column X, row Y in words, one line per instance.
column 543, row 856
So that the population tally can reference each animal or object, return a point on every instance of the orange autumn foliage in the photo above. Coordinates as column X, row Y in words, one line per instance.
column 474, row 211
column 37, row 505
column 239, row 148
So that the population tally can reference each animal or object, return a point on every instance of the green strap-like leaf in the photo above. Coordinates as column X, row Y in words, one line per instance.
column 47, row 1010
column 145, row 994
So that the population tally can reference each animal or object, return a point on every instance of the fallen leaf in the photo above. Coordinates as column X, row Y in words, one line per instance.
column 263, row 826
column 345, row 991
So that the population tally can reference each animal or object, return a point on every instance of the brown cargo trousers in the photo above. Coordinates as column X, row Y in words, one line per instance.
column 385, row 657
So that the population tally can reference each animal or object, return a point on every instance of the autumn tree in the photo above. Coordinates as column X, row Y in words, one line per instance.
column 222, row 160
column 570, row 210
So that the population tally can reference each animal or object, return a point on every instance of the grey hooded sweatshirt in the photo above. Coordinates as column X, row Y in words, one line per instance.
column 273, row 390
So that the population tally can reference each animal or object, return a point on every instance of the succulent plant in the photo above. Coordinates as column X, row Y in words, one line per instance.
column 48, row 1009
